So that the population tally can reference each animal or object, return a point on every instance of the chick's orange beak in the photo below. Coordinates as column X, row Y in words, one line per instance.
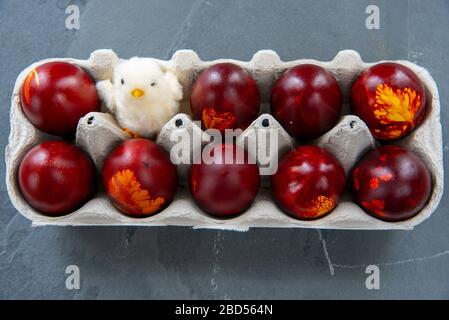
column 137, row 93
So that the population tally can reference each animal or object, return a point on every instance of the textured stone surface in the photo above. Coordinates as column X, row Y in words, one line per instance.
column 171, row 262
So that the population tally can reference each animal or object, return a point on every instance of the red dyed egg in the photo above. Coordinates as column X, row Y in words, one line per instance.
column 56, row 178
column 139, row 178
column 56, row 95
column 227, row 184
column 390, row 99
column 391, row 183
column 225, row 97
column 306, row 100
column 308, row 183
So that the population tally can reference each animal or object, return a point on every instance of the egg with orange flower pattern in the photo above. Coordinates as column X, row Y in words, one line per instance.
column 224, row 97
column 390, row 99
column 139, row 178
column 308, row 183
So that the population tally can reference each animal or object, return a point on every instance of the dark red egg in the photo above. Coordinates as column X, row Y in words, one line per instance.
column 56, row 178
column 56, row 95
column 225, row 97
column 227, row 183
column 139, row 178
column 308, row 183
column 390, row 99
column 391, row 183
column 307, row 101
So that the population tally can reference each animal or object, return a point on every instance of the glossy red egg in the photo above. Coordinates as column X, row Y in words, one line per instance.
column 56, row 178
column 225, row 97
column 56, row 95
column 391, row 183
column 227, row 183
column 308, row 183
column 390, row 99
column 139, row 178
column 307, row 101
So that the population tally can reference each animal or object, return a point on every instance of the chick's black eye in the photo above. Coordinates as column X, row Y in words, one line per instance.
column 122, row 81
column 153, row 83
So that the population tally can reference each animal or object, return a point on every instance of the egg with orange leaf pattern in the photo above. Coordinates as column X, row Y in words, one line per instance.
column 139, row 178
column 308, row 183
column 391, row 183
column 390, row 99
column 225, row 97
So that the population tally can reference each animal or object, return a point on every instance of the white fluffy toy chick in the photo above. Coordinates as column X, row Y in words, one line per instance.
column 142, row 96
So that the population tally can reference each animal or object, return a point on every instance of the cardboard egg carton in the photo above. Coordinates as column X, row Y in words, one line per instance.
column 98, row 134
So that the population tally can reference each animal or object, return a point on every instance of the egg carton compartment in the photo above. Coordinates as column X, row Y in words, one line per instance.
column 98, row 134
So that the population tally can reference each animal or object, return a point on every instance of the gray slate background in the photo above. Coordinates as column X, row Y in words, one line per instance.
column 171, row 262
